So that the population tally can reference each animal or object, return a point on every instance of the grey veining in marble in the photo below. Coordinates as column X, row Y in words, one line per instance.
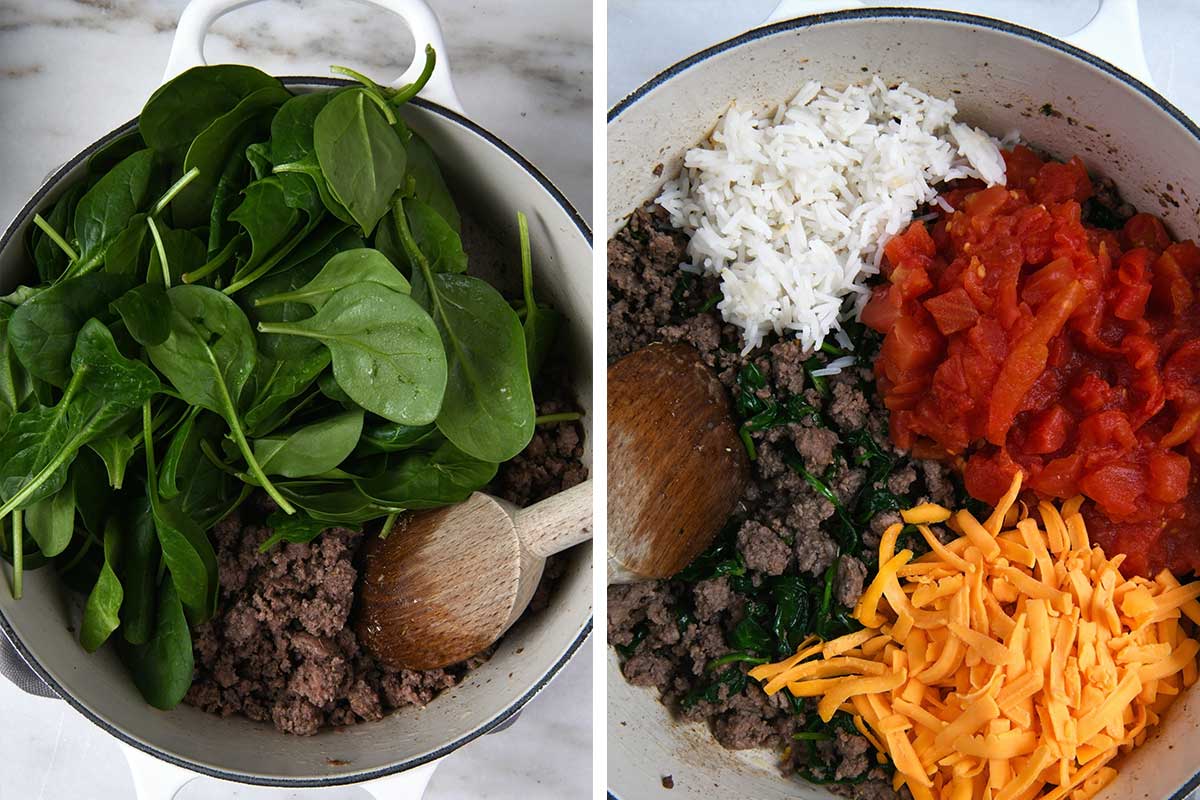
column 71, row 70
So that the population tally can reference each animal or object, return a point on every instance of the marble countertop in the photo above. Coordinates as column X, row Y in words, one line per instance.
column 71, row 70
column 639, row 47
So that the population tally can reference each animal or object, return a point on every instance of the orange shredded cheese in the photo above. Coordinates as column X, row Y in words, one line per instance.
column 1013, row 663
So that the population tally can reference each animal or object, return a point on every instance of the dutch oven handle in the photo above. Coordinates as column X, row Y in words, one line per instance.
column 1114, row 33
column 187, row 50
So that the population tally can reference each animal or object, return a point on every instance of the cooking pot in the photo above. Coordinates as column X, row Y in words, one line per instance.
column 1001, row 76
column 396, row 754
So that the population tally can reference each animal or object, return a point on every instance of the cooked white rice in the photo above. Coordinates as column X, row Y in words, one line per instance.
column 792, row 211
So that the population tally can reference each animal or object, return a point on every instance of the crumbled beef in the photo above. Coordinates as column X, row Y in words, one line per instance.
column 850, row 406
column 762, row 549
column 815, row 446
column 938, row 486
column 851, row 576
column 782, row 526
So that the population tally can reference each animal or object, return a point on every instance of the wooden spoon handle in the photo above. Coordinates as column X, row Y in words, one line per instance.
column 557, row 522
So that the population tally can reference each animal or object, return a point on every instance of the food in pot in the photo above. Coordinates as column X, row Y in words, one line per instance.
column 815, row 415
column 256, row 294
column 1012, row 661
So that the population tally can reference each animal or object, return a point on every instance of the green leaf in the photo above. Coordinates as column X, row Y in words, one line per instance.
column 139, row 571
column 541, row 324
column 207, row 493
column 429, row 185
column 101, row 613
column 115, row 450
column 215, row 147
column 277, row 381
column 385, row 349
column 429, row 480
column 360, row 155
column 162, row 667
column 437, row 241
column 130, row 250
column 184, row 106
column 312, row 449
column 49, row 258
column 334, row 502
column 208, row 357
column 51, row 520
column 168, row 487
column 344, row 269
column 43, row 329
column 142, row 310
column 185, row 252
column 390, row 437
column 267, row 218
column 298, row 528
column 107, row 208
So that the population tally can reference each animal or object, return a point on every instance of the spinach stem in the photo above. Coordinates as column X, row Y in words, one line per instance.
column 55, row 237
column 388, row 524
column 270, row 263
column 207, row 449
column 526, row 262
column 18, row 533
column 235, row 427
column 565, row 416
column 406, row 93
column 162, row 252
column 175, row 189
column 383, row 106
column 215, row 263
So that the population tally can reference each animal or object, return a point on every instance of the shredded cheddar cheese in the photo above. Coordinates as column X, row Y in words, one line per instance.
column 1014, row 662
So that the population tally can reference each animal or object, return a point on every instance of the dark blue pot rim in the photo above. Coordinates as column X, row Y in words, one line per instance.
column 893, row 13
column 500, row 719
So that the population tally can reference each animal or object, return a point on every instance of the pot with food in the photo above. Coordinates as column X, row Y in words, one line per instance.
column 955, row 334
column 252, row 331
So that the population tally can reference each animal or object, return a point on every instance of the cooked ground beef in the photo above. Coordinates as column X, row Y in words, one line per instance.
column 279, row 647
column 670, row 630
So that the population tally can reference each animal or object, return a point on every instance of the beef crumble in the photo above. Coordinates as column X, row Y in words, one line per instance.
column 279, row 648
column 669, row 631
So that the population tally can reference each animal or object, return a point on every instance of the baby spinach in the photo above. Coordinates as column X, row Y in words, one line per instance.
column 141, row 309
column 50, row 259
column 185, row 105
column 168, row 487
column 299, row 528
column 162, row 667
column 43, row 329
column 488, row 409
column 312, row 449
column 385, row 349
column 541, row 324
column 139, row 562
column 215, row 146
column 390, row 437
column 101, row 613
column 277, row 381
column 421, row 480
column 435, row 238
column 428, row 184
column 40, row 443
column 334, row 502
column 51, row 520
column 344, row 269
column 107, row 208
column 114, row 450
column 267, row 218
column 360, row 155
column 208, row 357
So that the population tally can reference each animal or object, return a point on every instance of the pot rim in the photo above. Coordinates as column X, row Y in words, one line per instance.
column 500, row 719
column 884, row 13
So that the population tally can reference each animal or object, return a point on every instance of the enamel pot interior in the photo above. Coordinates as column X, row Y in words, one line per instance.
column 490, row 183
column 1002, row 78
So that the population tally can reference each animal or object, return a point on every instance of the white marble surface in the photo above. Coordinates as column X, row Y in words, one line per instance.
column 72, row 70
column 646, row 37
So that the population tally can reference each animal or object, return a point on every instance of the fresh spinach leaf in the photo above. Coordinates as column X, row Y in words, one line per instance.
column 51, row 520
column 139, row 562
column 435, row 238
column 429, row 480
column 114, row 450
column 101, row 613
column 185, row 105
column 162, row 667
column 360, row 155
column 208, row 357
column 267, row 218
column 185, row 252
column 298, row 528
column 428, row 185
column 43, row 329
column 168, row 486
column 333, row 501
column 107, row 208
column 215, row 147
column 391, row 437
column 385, row 349
column 344, row 269
column 48, row 257
column 142, row 310
column 541, row 324
column 277, row 381
column 312, row 449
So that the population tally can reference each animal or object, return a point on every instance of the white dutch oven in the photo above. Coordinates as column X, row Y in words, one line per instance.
column 1000, row 76
column 397, row 754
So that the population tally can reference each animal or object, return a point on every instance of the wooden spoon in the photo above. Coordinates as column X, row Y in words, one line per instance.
column 446, row 584
column 676, row 466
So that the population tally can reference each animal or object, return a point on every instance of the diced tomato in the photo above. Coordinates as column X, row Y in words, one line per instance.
column 952, row 311
column 1106, row 430
column 1169, row 474
column 1050, row 279
column 1021, row 167
column 1058, row 182
column 913, row 248
column 1186, row 426
column 1181, row 373
column 1145, row 230
column 986, row 202
column 1116, row 488
column 1047, row 431
column 909, row 346
column 881, row 310
column 1172, row 292
column 987, row 477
